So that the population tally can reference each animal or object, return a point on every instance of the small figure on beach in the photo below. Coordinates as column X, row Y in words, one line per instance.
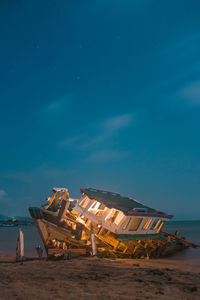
column 39, row 251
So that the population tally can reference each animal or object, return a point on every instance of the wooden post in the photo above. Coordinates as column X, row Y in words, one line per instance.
column 20, row 246
column 93, row 242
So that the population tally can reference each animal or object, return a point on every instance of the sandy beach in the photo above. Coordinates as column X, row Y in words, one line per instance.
column 94, row 278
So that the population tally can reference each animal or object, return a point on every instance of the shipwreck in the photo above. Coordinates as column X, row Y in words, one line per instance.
column 103, row 223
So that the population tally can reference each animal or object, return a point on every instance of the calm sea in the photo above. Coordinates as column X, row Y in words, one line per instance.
column 191, row 231
column 188, row 229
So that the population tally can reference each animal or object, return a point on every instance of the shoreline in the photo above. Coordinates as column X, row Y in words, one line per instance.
column 188, row 255
column 99, row 278
column 150, row 262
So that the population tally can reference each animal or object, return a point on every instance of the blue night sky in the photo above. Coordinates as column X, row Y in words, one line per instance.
column 98, row 93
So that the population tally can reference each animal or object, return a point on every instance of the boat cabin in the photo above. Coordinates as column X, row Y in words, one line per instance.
column 118, row 214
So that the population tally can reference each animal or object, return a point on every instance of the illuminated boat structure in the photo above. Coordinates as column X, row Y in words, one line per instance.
column 105, row 224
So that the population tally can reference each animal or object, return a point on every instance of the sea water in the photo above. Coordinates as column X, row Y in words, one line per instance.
column 9, row 236
column 188, row 229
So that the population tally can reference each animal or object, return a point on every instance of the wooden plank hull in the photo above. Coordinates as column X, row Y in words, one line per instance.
column 55, row 234
column 73, row 235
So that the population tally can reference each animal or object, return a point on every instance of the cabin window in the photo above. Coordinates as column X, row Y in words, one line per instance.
column 94, row 206
column 155, row 224
column 135, row 223
column 125, row 224
column 102, row 207
column 84, row 202
column 112, row 216
column 118, row 218
column 147, row 224
column 160, row 225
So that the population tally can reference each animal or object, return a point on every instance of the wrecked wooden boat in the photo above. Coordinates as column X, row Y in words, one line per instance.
column 103, row 223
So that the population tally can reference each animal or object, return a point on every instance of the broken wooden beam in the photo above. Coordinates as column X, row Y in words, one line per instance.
column 80, row 251
column 178, row 239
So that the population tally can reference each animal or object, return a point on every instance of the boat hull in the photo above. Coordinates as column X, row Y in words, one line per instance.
column 59, row 235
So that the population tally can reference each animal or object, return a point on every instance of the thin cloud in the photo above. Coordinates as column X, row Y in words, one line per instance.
column 71, row 141
column 118, row 122
column 54, row 107
column 98, row 133
column 191, row 93
column 98, row 142
column 184, row 48
column 107, row 129
column 179, row 61
column 30, row 177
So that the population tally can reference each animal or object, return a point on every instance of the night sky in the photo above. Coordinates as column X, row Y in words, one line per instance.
column 103, row 94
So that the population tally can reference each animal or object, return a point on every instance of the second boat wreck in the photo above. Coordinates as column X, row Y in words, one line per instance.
column 103, row 223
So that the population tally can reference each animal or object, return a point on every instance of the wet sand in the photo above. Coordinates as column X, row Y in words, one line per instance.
column 94, row 278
